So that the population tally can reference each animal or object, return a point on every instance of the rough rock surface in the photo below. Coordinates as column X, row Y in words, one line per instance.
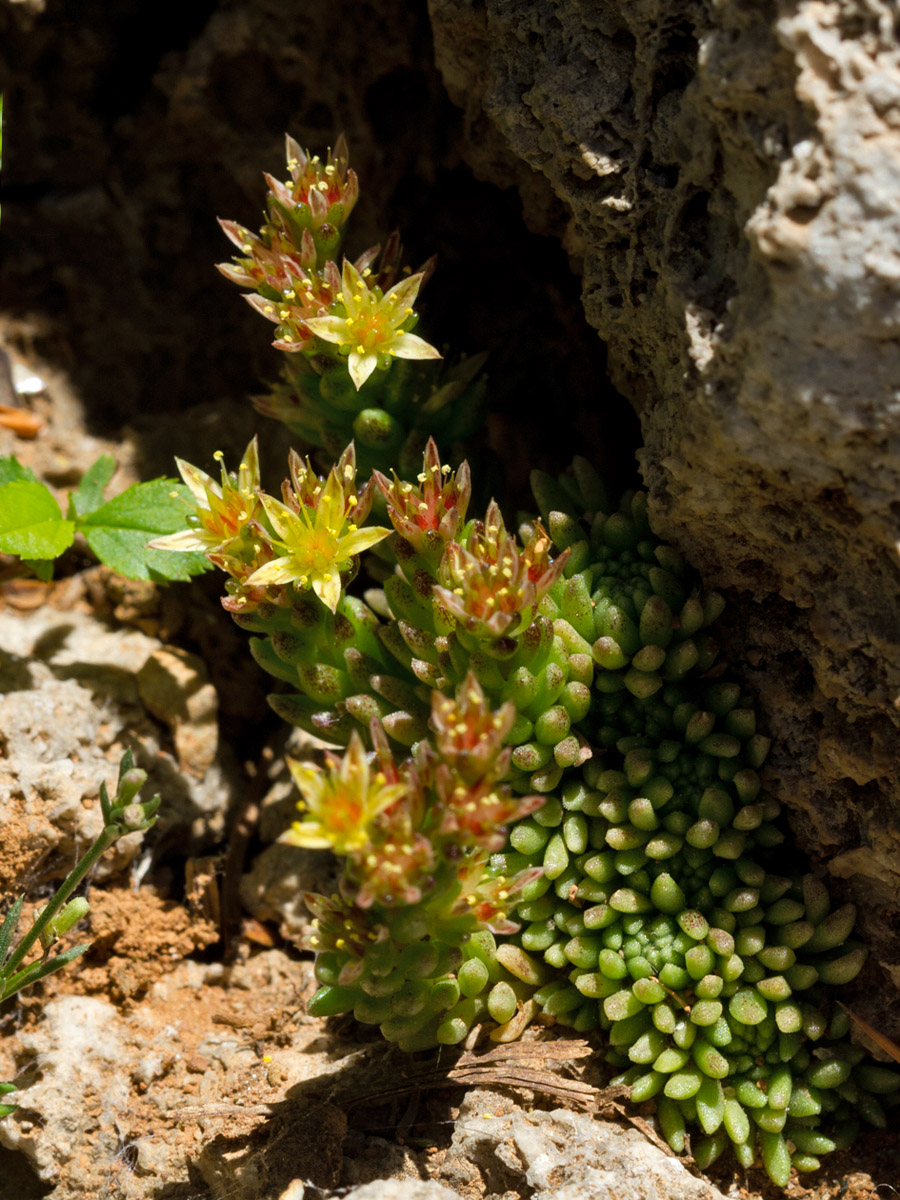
column 73, row 697
column 562, row 1155
column 730, row 175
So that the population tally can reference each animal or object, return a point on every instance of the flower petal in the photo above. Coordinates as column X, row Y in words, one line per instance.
column 309, row 837
column 329, row 329
column 410, row 345
column 280, row 570
column 198, row 482
column 327, row 586
column 362, row 539
column 361, row 366
column 186, row 539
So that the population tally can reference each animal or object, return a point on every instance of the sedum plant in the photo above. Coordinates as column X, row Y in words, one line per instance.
column 123, row 813
column 352, row 365
column 549, row 807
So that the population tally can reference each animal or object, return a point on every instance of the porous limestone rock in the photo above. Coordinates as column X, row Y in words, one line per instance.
column 560, row 1155
column 730, row 178
column 73, row 694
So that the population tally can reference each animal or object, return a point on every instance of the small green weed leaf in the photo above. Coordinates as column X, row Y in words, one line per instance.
column 119, row 530
column 89, row 493
column 31, row 523
column 12, row 471
column 42, row 567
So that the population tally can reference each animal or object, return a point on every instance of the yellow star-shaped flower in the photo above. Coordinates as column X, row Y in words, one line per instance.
column 220, row 511
column 316, row 540
column 339, row 804
column 372, row 327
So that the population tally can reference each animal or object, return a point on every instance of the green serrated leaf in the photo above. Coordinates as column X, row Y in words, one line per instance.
column 31, row 523
column 89, row 493
column 12, row 471
column 42, row 567
column 118, row 532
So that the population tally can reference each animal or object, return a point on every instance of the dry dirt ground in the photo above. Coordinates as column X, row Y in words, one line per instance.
column 176, row 1061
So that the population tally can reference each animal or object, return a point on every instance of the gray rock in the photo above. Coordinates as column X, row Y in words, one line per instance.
column 72, row 700
column 402, row 1189
column 561, row 1155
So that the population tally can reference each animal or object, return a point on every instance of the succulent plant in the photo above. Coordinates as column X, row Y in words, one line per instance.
column 550, row 804
column 579, row 833
column 353, row 367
